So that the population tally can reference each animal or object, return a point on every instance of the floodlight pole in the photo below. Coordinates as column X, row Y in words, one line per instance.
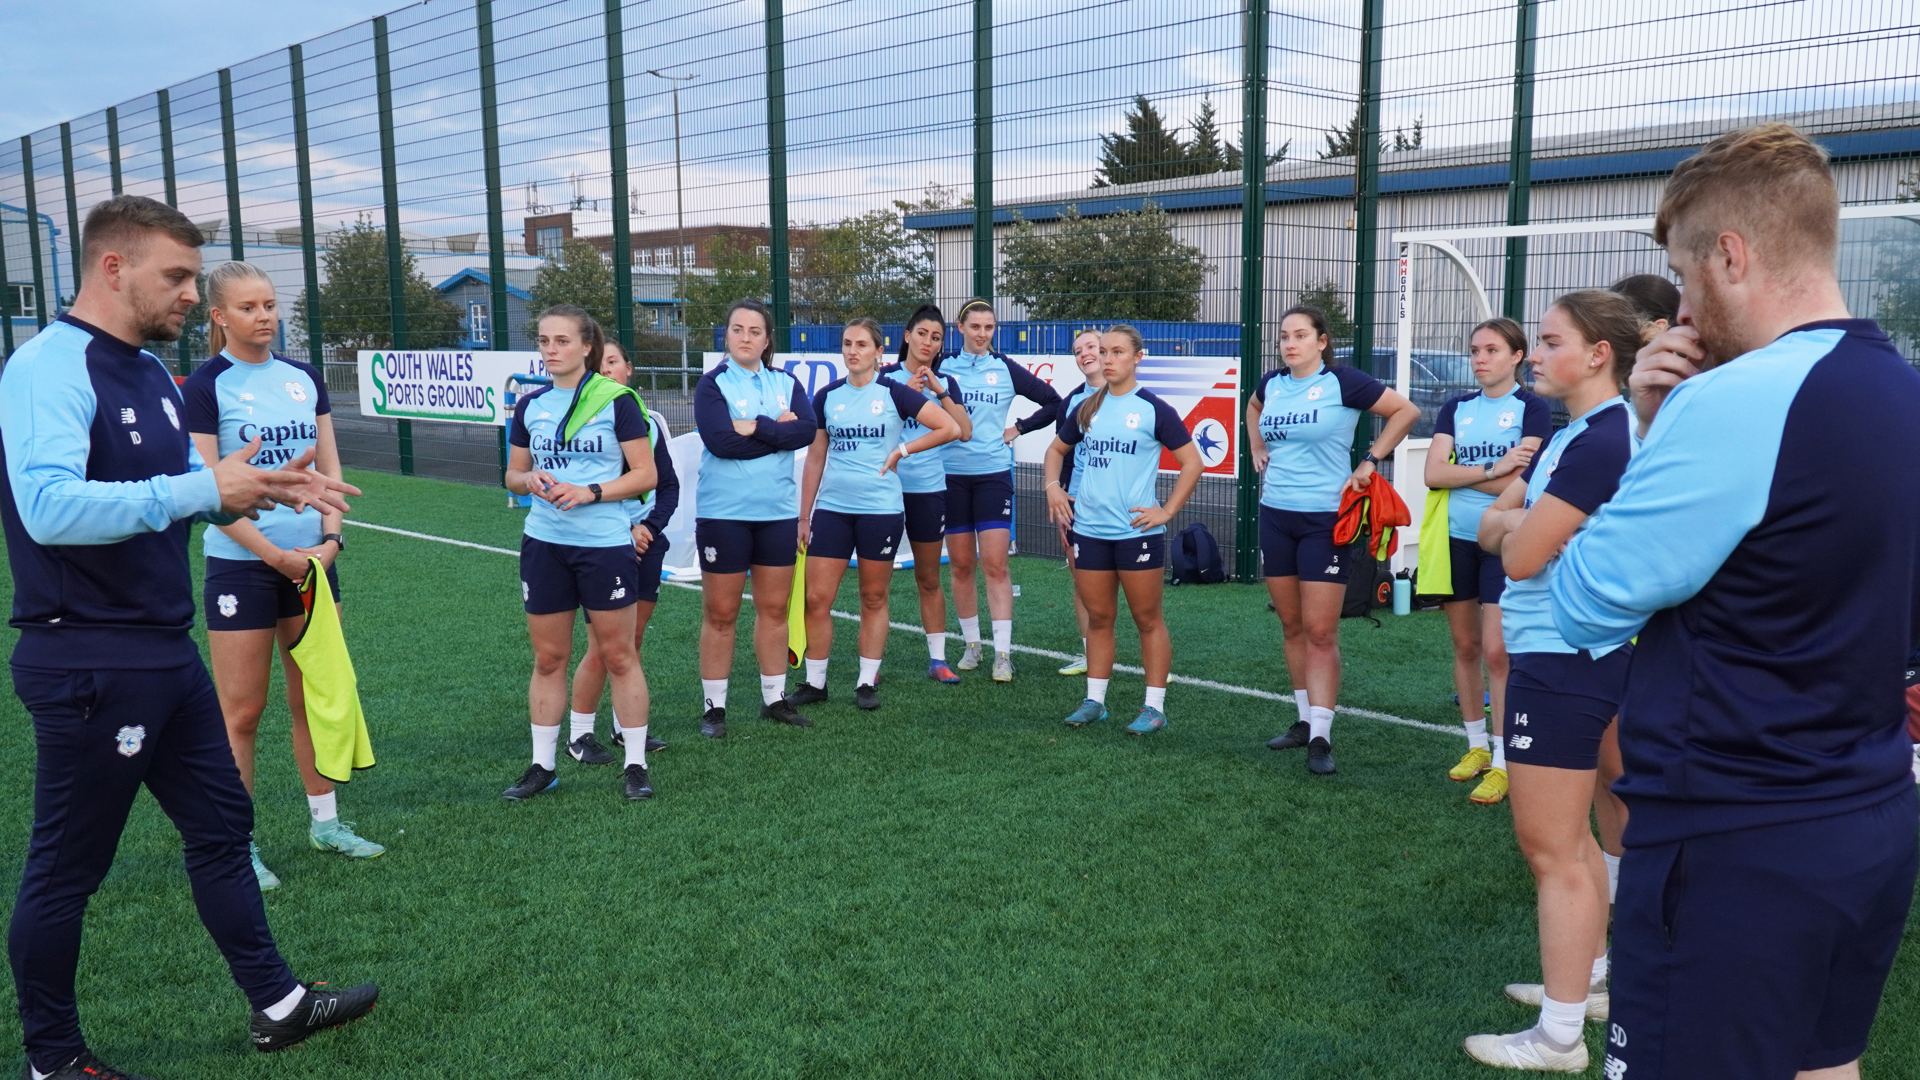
column 679, row 215
column 1253, row 235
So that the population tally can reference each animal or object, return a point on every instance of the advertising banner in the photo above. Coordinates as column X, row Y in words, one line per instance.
column 1204, row 390
column 454, row 386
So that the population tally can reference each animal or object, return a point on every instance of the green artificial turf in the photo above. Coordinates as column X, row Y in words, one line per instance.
column 954, row 886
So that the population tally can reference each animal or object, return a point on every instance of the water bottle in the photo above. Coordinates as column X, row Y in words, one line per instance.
column 1402, row 596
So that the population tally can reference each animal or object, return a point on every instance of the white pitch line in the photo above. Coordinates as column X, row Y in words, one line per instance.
column 913, row 628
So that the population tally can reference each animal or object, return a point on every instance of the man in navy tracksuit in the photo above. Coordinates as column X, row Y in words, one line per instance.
column 1771, row 845
column 98, row 490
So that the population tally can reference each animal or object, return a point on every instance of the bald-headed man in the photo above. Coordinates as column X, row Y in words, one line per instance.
column 1765, row 546
column 99, row 487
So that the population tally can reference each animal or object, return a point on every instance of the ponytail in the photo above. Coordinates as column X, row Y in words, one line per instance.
column 588, row 328
column 923, row 313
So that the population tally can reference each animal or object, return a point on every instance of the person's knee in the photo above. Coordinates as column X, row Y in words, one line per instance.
column 1098, row 620
column 996, row 570
column 548, row 662
column 245, row 719
column 927, row 578
column 1467, row 652
column 873, row 600
column 1323, row 638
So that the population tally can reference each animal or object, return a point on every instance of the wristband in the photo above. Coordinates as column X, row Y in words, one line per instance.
column 1489, row 470
column 905, row 450
column 595, row 488
column 339, row 541
column 1371, row 460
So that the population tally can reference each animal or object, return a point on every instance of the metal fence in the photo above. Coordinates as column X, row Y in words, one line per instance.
column 425, row 179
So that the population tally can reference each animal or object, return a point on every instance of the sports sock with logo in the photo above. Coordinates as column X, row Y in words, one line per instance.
column 1300, row 702
column 1613, row 875
column 635, row 739
column 937, row 647
column 545, row 739
column 869, row 671
column 1562, row 1021
column 1476, row 734
column 772, row 688
column 714, row 691
column 817, row 673
column 1500, row 753
column 1319, row 722
column 579, row 723
column 1002, row 635
column 970, row 630
column 1157, row 698
column 323, row 808
column 283, row 1008
column 1097, row 689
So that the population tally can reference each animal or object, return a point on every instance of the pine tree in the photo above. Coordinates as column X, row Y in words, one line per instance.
column 1146, row 150
column 1207, row 152
column 1345, row 142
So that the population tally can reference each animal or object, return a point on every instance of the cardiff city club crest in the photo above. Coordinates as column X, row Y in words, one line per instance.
column 1211, row 438
column 129, row 740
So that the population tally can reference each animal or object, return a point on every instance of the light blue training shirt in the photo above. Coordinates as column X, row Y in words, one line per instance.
column 749, row 477
column 1118, row 460
column 1307, row 425
column 863, row 425
column 592, row 456
column 279, row 401
column 988, row 385
column 1483, row 430
column 922, row 474
column 1581, row 466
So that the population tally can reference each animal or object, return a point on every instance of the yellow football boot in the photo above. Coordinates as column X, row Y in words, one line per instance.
column 1492, row 789
column 1472, row 763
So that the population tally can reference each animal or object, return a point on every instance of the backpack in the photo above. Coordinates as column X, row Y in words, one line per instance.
column 1369, row 584
column 1195, row 558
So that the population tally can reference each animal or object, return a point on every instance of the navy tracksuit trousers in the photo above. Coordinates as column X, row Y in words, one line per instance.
column 100, row 735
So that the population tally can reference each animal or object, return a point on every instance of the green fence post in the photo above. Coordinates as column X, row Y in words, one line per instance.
column 617, row 168
column 303, row 166
column 496, row 221
column 236, row 244
column 390, row 190
column 184, row 358
column 1366, row 206
column 983, row 275
column 113, row 145
column 1513, row 296
column 1253, row 274
column 780, row 270
column 7, row 298
column 73, row 206
column 33, row 233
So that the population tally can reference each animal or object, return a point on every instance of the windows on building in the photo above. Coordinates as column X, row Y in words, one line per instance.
column 547, row 240
column 477, row 323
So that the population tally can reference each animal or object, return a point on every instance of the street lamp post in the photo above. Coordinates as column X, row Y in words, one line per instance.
column 679, row 216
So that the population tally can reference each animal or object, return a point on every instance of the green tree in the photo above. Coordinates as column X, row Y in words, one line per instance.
column 1898, row 306
column 576, row 275
column 354, row 311
column 1127, row 265
column 1146, row 150
column 1330, row 299
column 867, row 264
column 1208, row 152
column 738, row 273
column 1345, row 141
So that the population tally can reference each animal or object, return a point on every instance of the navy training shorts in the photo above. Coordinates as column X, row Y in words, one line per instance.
column 728, row 546
column 247, row 594
column 1134, row 553
column 979, row 503
column 562, row 577
column 838, row 536
column 926, row 516
column 1477, row 573
column 1559, row 706
column 1298, row 544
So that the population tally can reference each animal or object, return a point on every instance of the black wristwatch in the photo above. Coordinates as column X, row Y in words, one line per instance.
column 1374, row 461
column 338, row 540
column 595, row 488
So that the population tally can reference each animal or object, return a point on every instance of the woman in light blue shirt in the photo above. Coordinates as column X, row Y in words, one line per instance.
column 581, row 446
column 252, row 597
column 1119, row 529
column 1300, row 426
column 851, row 502
column 1481, row 442
column 752, row 418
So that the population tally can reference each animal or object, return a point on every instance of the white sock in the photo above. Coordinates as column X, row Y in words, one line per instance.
column 283, row 1008
column 1500, row 753
column 715, row 692
column 970, row 630
column 580, row 723
column 1319, row 723
column 772, row 688
column 937, row 647
column 1613, row 876
column 545, row 739
column 1157, row 698
column 1476, row 734
column 869, row 671
column 1002, row 635
column 1083, row 648
column 1300, row 702
column 1600, row 967
column 816, row 673
column 322, row 807
column 1097, row 689
column 1563, row 1021
column 636, row 744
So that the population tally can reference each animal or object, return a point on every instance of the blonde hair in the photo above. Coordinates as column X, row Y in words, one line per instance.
column 1770, row 184
column 220, row 281
column 1090, row 408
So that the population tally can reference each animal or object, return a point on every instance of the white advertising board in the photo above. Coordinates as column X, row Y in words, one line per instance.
column 451, row 385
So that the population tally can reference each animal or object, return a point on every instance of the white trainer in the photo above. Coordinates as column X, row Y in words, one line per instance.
column 1531, row 994
column 1529, row 1050
column 970, row 659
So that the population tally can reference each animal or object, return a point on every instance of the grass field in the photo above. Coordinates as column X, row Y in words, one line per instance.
column 954, row 886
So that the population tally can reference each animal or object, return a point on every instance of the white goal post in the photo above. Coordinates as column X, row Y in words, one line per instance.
column 1409, row 458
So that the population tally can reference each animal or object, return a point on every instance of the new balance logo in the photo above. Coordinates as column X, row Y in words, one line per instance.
column 126, row 416
column 1614, row 1069
column 322, row 1010
column 1526, row 1055
column 1520, row 742
column 618, row 593
column 1334, row 569
column 1145, row 556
